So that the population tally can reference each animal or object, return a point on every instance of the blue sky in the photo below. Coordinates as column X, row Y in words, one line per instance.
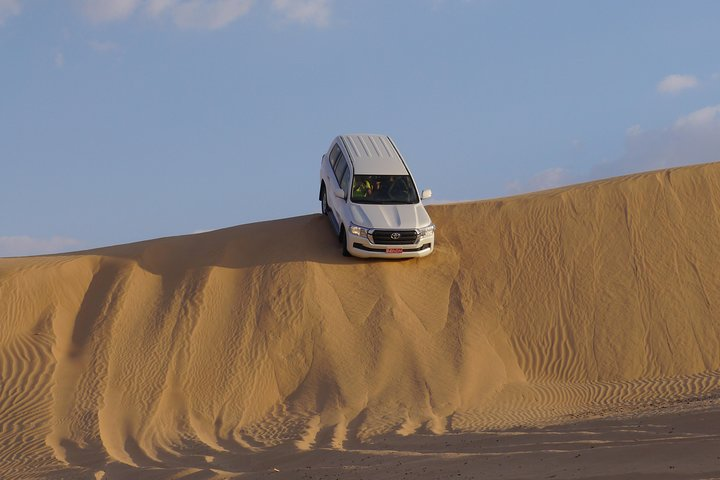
column 124, row 120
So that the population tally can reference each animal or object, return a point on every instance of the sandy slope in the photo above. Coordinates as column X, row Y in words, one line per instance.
column 231, row 351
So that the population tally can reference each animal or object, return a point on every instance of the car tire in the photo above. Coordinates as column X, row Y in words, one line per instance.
column 343, row 241
column 323, row 200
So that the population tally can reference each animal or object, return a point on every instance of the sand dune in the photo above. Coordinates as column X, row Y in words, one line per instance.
column 231, row 351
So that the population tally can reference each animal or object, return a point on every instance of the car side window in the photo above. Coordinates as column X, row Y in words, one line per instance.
column 345, row 182
column 340, row 167
column 334, row 154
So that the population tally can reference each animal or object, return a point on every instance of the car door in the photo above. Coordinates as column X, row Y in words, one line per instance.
column 341, row 179
column 343, row 208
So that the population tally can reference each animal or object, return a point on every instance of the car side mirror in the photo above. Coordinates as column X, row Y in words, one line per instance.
column 340, row 193
column 427, row 193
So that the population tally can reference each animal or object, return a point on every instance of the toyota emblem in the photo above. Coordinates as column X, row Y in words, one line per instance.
column 395, row 235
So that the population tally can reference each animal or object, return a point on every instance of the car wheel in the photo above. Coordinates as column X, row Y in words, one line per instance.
column 323, row 201
column 343, row 241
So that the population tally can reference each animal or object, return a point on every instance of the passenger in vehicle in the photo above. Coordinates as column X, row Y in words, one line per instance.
column 381, row 189
column 362, row 188
column 399, row 189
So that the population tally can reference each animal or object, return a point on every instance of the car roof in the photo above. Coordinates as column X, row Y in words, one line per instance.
column 373, row 155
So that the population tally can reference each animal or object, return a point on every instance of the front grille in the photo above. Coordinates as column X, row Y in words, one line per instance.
column 385, row 237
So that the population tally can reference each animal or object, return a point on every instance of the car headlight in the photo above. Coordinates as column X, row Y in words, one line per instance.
column 426, row 231
column 358, row 231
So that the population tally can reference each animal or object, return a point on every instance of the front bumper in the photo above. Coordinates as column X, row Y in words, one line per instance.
column 363, row 248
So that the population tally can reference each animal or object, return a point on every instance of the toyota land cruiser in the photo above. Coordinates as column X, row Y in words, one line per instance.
column 370, row 197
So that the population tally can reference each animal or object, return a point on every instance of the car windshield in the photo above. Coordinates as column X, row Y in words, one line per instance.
column 383, row 189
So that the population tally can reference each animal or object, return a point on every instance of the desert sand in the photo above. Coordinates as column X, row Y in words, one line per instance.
column 571, row 333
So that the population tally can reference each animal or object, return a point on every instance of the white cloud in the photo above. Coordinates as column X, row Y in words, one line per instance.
column 693, row 138
column 109, row 10
column 700, row 118
column 195, row 14
column 158, row 7
column 9, row 8
column 437, row 4
column 104, row 47
column 677, row 83
column 634, row 130
column 315, row 12
column 204, row 14
column 24, row 245
column 59, row 60
column 550, row 178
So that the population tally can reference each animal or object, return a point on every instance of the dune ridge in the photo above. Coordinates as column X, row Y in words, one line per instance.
column 261, row 339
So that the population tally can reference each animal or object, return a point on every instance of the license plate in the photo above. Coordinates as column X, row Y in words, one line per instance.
column 393, row 250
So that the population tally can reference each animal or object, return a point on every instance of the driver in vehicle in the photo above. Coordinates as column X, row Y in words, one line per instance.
column 362, row 188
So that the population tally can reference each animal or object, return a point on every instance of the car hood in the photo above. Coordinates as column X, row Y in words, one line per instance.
column 389, row 216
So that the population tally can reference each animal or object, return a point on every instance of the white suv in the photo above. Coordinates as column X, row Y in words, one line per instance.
column 370, row 197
